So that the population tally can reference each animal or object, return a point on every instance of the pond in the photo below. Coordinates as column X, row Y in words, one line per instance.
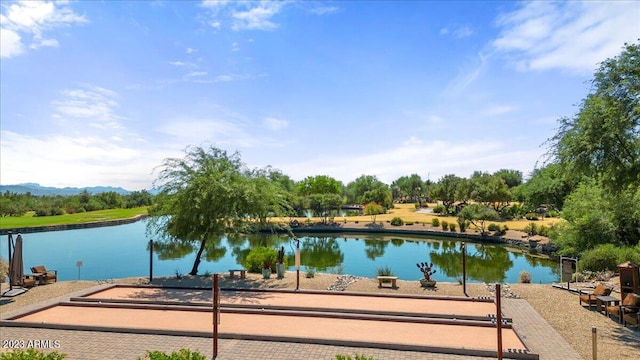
column 122, row 251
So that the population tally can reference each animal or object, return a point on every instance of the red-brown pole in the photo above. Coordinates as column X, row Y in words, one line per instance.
column 216, row 314
column 499, row 320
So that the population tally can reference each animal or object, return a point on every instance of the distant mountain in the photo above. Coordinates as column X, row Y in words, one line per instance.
column 37, row 190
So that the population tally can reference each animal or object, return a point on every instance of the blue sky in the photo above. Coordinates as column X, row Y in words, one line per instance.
column 99, row 93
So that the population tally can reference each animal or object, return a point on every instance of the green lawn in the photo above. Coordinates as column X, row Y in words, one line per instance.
column 29, row 220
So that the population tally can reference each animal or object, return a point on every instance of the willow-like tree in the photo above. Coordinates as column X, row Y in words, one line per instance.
column 206, row 195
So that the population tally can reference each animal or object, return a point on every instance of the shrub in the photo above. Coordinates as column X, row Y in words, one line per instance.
column 259, row 257
column 543, row 231
column 463, row 224
column 310, row 274
column 505, row 228
column 397, row 221
column 439, row 209
column 525, row 277
column 553, row 213
column 435, row 222
column 182, row 354
column 531, row 229
column 409, row 223
column 356, row 357
column 444, row 225
column 600, row 258
column 31, row 354
column 531, row 216
column 493, row 227
column 385, row 271
column 452, row 227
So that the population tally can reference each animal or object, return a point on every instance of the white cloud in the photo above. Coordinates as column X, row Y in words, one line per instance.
column 572, row 35
column 275, row 124
column 76, row 161
column 324, row 10
column 496, row 110
column 436, row 158
column 10, row 43
column 463, row 32
column 256, row 18
column 196, row 74
column 34, row 18
column 96, row 104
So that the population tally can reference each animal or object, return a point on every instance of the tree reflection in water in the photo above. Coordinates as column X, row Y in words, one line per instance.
column 320, row 253
column 484, row 263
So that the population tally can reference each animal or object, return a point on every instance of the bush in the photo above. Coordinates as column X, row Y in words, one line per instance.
column 554, row 213
column 182, row 354
column 310, row 274
column 600, row 258
column 493, row 227
column 444, row 224
column 31, row 354
column 397, row 221
column 531, row 229
column 525, row 277
column 259, row 257
column 463, row 224
column 531, row 216
column 543, row 231
column 435, row 222
column 385, row 271
column 409, row 223
column 439, row 209
column 452, row 227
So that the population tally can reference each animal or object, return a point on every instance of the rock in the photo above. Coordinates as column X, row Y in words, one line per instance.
column 342, row 282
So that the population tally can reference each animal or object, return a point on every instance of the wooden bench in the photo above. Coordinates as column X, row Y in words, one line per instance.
column 382, row 279
column 243, row 273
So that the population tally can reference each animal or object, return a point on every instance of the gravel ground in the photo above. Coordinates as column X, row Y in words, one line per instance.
column 560, row 308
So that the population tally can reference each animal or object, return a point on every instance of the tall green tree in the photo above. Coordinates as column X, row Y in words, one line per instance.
column 445, row 190
column 204, row 196
column 602, row 142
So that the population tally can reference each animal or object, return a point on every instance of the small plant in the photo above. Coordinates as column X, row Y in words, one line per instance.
column 531, row 216
column 397, row 221
column 435, row 222
column 178, row 274
column 439, row 209
column 31, row 354
column 531, row 229
column 356, row 357
column 452, row 227
column 493, row 227
column 525, row 277
column 260, row 258
column 444, row 225
column 385, row 271
column 182, row 354
column 426, row 270
column 281, row 255
column 310, row 274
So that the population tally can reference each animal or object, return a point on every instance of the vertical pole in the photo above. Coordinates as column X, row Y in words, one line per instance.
column 297, row 264
column 151, row 260
column 499, row 320
column 216, row 314
column 10, row 241
column 594, row 341
column 464, row 269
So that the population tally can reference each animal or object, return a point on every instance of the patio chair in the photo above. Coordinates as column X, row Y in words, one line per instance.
column 630, row 305
column 45, row 276
column 590, row 297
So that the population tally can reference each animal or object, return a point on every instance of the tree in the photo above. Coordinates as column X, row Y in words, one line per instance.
column 546, row 186
column 491, row 191
column 412, row 187
column 368, row 188
column 602, row 142
column 372, row 209
column 477, row 215
column 203, row 196
column 445, row 190
column 320, row 184
column 512, row 178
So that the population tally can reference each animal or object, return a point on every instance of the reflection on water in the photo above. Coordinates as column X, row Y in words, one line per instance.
column 122, row 251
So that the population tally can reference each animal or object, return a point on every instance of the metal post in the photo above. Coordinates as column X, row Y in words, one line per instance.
column 499, row 320
column 297, row 264
column 216, row 314
column 151, row 260
column 10, row 241
column 594, row 341
column 464, row 269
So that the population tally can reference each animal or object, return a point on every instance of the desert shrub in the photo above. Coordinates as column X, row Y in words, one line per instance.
column 600, row 258
column 505, row 228
column 543, row 231
column 397, row 221
column 631, row 254
column 385, row 271
column 452, row 227
column 31, row 354
column 356, row 357
column 553, row 213
column 435, row 222
column 260, row 256
column 493, row 227
column 525, row 277
column 439, row 209
column 531, row 216
column 182, row 354
column 463, row 224
column 310, row 274
column 409, row 223
column 531, row 229
column 444, row 224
